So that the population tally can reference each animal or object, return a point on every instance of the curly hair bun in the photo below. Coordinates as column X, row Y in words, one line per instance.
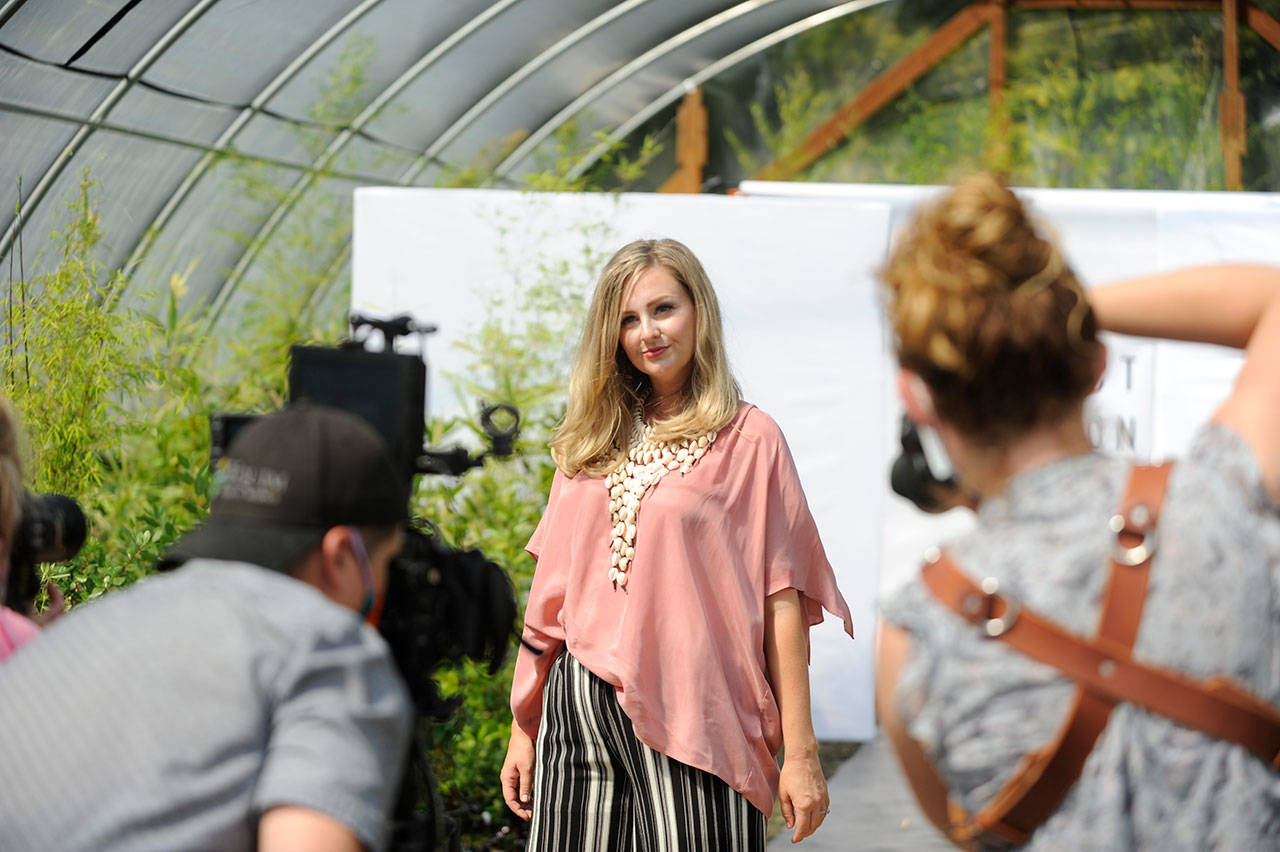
column 986, row 310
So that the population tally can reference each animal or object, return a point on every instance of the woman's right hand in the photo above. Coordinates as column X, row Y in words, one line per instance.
column 517, row 773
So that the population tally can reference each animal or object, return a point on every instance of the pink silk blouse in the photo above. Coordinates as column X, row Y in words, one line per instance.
column 684, row 641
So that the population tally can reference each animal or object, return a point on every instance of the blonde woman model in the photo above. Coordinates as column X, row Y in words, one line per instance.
column 664, row 661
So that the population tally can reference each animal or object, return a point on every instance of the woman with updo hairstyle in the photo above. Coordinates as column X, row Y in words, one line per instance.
column 664, row 659
column 998, row 347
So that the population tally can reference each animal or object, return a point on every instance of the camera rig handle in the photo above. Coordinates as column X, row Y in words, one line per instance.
column 455, row 461
column 391, row 329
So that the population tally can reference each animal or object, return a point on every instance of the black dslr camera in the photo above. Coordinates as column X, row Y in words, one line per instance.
column 922, row 472
column 51, row 529
column 442, row 604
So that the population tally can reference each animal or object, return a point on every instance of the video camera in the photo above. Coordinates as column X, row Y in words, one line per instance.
column 386, row 388
column 442, row 604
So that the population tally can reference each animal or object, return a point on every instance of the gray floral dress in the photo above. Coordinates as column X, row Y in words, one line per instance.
column 1213, row 607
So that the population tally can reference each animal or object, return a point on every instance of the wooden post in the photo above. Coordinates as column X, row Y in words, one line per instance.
column 998, row 126
column 1231, row 103
column 691, row 145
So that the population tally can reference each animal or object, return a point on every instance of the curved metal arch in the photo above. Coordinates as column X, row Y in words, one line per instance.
column 166, row 139
column 525, row 148
column 500, row 91
column 622, row 131
column 8, row 10
column 327, row 280
column 148, row 238
column 335, row 146
column 107, row 104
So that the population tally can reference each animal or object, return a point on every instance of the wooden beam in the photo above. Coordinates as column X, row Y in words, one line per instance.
column 969, row 20
column 691, row 145
column 1262, row 24
column 879, row 92
column 1231, row 103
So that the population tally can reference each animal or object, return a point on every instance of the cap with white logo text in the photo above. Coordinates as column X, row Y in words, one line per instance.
column 290, row 477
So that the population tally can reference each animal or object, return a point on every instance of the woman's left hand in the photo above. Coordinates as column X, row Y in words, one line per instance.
column 802, row 790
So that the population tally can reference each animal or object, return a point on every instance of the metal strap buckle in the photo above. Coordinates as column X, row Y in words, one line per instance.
column 1139, row 521
column 994, row 626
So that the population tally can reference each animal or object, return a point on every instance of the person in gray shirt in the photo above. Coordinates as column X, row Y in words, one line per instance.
column 998, row 344
column 242, row 700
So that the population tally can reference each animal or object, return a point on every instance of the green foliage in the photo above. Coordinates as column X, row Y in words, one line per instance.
column 558, row 171
column 113, row 417
column 63, row 370
column 519, row 354
column 117, row 401
column 1149, row 124
column 285, row 296
column 800, row 106
column 1119, row 99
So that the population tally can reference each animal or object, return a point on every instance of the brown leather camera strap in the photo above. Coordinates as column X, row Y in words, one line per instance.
column 1103, row 668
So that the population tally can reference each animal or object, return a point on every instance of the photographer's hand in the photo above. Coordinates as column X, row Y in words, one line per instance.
column 517, row 774
column 57, row 606
column 1228, row 304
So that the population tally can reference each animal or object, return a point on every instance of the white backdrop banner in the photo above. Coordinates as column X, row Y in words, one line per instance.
column 793, row 265
column 1155, row 394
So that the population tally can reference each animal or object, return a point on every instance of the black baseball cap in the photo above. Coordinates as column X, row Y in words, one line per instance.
column 290, row 477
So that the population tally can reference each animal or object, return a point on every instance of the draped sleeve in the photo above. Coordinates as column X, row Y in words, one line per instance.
column 792, row 552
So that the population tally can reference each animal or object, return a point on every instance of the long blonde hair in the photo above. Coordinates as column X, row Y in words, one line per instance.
column 605, row 389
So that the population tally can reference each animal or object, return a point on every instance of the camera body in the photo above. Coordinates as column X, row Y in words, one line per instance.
column 471, row 598
column 51, row 529
column 922, row 472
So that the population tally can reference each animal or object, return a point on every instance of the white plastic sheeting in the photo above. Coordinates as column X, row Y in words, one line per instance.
column 172, row 106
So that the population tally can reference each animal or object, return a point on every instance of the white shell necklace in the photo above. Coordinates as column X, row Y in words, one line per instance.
column 647, row 461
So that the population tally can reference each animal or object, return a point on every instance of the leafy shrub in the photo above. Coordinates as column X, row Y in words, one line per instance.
column 112, row 415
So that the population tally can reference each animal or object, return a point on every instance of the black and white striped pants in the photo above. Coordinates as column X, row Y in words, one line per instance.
column 597, row 788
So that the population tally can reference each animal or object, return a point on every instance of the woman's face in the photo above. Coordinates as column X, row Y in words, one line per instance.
column 659, row 329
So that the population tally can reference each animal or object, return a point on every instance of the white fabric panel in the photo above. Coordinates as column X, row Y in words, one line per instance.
column 802, row 324
column 1192, row 380
column 1155, row 393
